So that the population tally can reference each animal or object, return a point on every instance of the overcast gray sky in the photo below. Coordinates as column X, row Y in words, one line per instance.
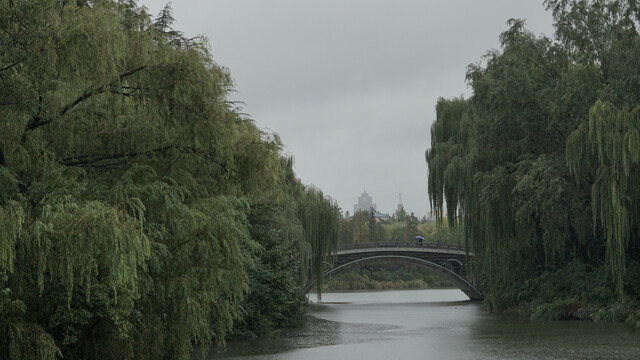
column 351, row 85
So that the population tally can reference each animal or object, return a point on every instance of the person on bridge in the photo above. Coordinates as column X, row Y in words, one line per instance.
column 420, row 240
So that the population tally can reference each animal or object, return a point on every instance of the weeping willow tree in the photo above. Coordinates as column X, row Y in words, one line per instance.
column 116, row 137
column 603, row 150
column 320, row 219
column 450, row 145
column 132, row 191
column 449, row 160
column 477, row 167
column 539, row 162
column 612, row 141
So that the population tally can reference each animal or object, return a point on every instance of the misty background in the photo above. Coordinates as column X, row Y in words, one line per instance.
column 351, row 86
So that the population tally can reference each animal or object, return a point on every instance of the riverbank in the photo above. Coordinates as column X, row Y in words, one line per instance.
column 575, row 292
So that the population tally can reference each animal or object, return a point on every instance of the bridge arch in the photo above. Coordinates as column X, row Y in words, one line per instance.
column 453, row 261
column 457, row 280
column 454, row 265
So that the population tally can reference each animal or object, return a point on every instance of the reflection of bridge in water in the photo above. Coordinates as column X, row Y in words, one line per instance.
column 446, row 260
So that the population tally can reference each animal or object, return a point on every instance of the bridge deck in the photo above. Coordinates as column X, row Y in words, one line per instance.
column 402, row 247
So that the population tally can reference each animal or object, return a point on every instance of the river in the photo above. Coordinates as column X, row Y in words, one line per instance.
column 431, row 324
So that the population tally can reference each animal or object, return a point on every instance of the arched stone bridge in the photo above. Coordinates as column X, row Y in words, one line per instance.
column 447, row 261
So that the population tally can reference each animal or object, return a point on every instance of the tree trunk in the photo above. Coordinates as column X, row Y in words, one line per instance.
column 3, row 161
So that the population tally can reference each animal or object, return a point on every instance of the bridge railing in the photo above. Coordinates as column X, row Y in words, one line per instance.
column 402, row 245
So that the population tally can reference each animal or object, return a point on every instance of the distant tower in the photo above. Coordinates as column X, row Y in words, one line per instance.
column 365, row 203
column 400, row 206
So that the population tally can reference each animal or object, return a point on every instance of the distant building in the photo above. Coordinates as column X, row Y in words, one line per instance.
column 365, row 203
column 380, row 216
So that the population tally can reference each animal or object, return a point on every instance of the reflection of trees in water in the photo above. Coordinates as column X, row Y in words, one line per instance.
column 316, row 332
column 506, row 336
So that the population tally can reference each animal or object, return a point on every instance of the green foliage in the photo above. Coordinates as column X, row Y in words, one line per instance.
column 346, row 235
column 538, row 165
column 575, row 291
column 396, row 231
column 447, row 156
column 360, row 227
column 612, row 140
column 140, row 212
column 441, row 233
column 364, row 228
column 411, row 228
column 21, row 339
column 279, row 268
column 385, row 275
column 376, row 231
column 319, row 217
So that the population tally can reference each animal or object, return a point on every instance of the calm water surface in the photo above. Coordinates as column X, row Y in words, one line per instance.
column 432, row 324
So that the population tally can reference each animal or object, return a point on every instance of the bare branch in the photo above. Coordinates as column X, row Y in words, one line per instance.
column 37, row 121
column 10, row 65
column 99, row 90
column 84, row 160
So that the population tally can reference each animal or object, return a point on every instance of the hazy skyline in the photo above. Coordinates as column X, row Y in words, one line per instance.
column 351, row 86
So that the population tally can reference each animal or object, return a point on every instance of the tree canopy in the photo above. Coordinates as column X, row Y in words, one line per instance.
column 539, row 163
column 137, row 205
